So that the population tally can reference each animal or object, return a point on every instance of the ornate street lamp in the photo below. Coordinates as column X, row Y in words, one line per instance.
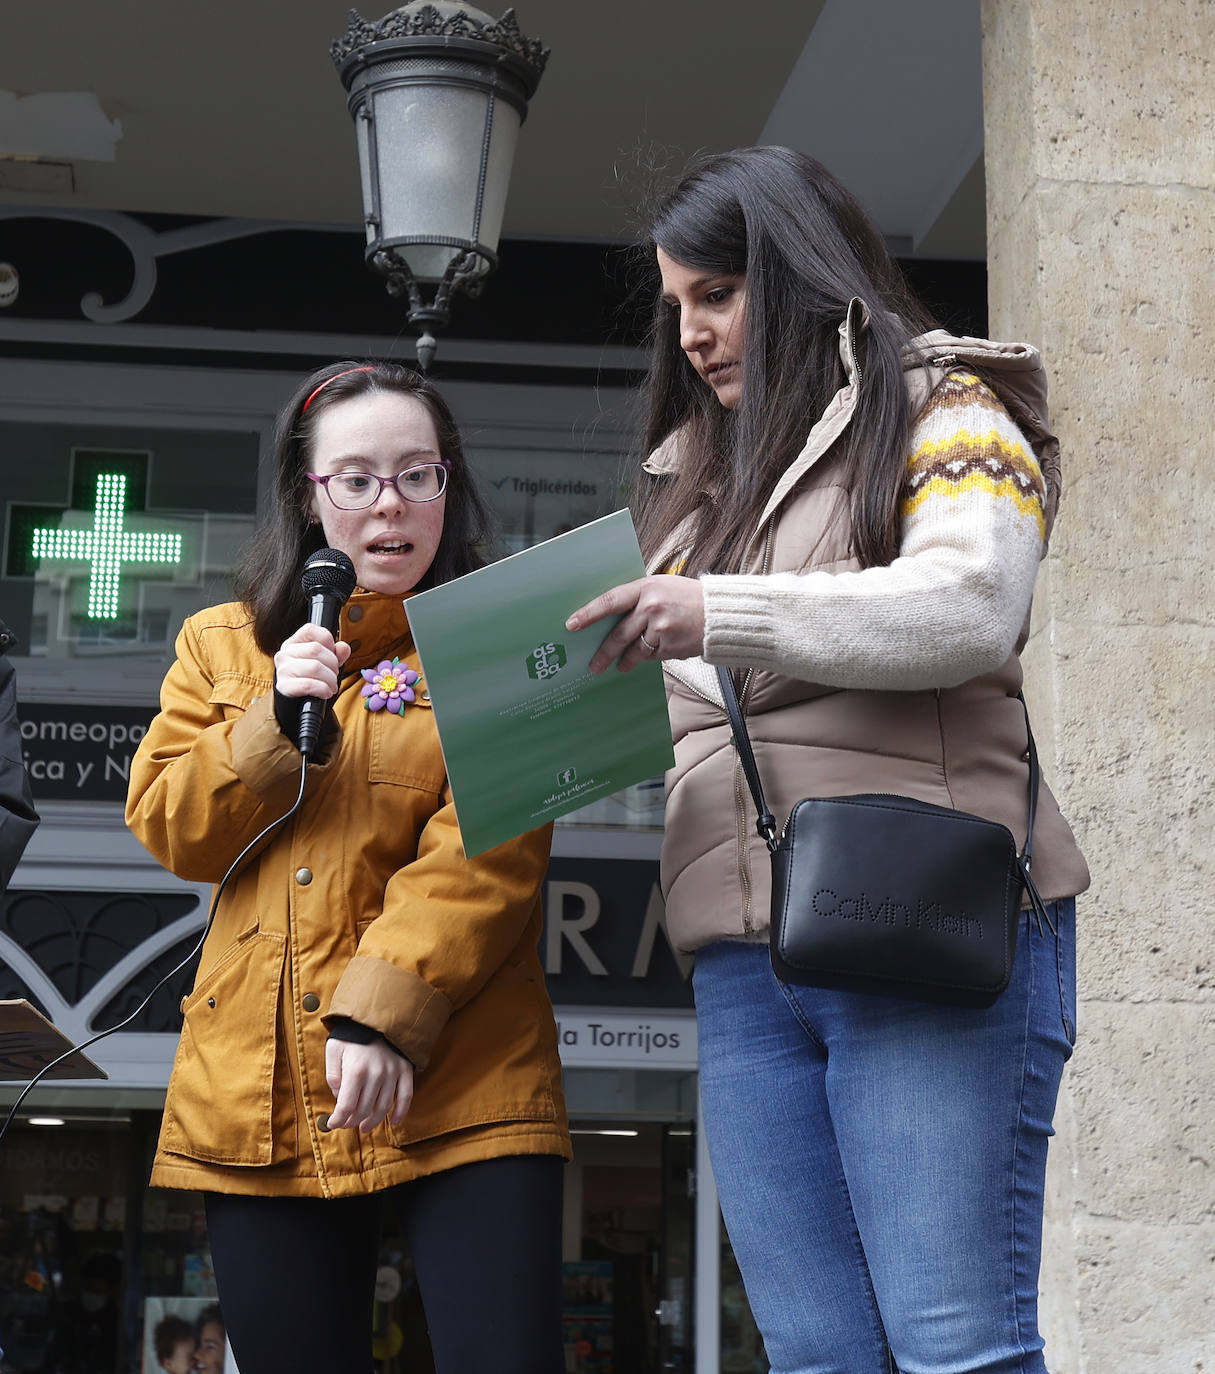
column 438, row 92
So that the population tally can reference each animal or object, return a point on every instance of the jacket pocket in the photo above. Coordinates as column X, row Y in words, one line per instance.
column 496, row 1061
column 220, row 1102
column 407, row 757
column 232, row 692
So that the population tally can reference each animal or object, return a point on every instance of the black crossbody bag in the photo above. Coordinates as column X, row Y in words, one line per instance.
column 890, row 894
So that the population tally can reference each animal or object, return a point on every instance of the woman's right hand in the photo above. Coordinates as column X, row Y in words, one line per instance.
column 369, row 1083
column 661, row 617
column 307, row 663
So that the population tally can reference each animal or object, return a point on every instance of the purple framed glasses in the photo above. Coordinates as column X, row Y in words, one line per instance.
column 358, row 490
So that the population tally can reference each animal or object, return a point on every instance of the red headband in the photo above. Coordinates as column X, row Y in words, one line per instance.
column 312, row 395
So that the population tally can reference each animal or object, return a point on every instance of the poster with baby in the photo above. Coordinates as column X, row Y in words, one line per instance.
column 185, row 1336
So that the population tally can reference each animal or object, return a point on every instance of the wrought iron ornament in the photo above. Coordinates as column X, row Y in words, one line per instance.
column 431, row 21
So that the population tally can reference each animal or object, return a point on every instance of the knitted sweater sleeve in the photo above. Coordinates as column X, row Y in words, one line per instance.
column 953, row 602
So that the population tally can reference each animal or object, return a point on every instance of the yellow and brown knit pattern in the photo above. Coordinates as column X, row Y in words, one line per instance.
column 952, row 606
column 968, row 446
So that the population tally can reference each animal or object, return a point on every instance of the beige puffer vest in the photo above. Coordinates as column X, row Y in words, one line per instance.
column 961, row 746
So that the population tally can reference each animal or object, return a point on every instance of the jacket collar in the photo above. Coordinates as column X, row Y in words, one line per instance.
column 838, row 415
column 377, row 624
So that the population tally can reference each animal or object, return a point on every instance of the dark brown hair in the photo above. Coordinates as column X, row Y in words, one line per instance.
column 807, row 250
column 170, row 1331
column 268, row 578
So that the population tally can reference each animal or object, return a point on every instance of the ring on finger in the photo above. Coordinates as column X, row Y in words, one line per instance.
column 647, row 646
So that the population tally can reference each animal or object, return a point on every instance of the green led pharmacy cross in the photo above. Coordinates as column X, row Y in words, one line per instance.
column 107, row 546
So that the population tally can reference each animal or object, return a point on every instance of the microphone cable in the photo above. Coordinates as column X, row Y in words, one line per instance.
column 101, row 1035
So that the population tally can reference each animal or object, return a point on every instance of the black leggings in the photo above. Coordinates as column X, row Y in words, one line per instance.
column 296, row 1275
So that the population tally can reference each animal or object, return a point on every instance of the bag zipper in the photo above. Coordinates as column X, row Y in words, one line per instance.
column 856, row 367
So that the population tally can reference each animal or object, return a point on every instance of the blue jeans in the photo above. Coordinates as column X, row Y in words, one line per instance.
column 881, row 1162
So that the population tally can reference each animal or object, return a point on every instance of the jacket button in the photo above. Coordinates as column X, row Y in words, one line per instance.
column 210, row 1001
column 303, row 876
column 310, row 1002
column 322, row 1121
column 354, row 613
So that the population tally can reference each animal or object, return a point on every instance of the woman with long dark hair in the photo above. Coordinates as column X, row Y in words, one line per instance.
column 369, row 1027
column 837, row 505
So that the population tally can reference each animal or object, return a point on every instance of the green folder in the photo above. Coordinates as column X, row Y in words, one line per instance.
column 528, row 733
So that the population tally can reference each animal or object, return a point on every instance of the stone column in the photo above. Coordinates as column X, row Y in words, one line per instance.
column 1100, row 160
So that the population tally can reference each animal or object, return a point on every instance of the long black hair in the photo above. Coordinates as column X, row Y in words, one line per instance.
column 268, row 578
column 807, row 250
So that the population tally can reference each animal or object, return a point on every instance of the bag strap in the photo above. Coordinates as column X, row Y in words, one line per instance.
column 765, row 823
column 1031, row 754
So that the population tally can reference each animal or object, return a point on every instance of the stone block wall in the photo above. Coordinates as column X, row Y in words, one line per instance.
column 1100, row 164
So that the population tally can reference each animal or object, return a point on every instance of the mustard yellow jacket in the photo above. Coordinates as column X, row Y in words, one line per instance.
column 362, row 906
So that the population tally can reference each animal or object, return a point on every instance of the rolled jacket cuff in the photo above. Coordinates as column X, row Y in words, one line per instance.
column 265, row 758
column 402, row 1007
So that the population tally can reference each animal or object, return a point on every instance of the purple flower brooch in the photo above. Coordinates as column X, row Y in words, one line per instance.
column 389, row 686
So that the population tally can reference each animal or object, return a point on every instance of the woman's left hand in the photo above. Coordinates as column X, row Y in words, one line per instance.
column 369, row 1082
column 662, row 617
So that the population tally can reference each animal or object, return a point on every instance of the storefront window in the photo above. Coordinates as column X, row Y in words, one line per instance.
column 539, row 493
column 180, row 1322
column 100, row 1273
column 113, row 536
column 72, row 1176
column 629, row 1235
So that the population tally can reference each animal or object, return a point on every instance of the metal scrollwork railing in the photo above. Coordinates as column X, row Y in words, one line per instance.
column 146, row 246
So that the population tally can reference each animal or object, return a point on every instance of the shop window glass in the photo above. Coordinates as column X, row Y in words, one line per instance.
column 629, row 1201
column 101, row 1274
column 72, row 1175
column 112, row 536
column 98, row 1272
column 181, row 1322
column 628, row 1270
column 109, row 538
column 539, row 493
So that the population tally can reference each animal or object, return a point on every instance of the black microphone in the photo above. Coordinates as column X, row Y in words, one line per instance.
column 328, row 580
